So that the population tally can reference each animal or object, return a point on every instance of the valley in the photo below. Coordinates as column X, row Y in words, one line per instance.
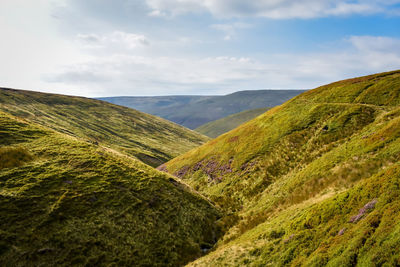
column 195, row 111
column 312, row 182
column 213, row 133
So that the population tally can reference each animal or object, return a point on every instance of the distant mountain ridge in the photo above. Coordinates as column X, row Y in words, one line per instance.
column 194, row 111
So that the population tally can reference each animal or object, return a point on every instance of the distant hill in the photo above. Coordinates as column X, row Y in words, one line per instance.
column 312, row 182
column 194, row 111
column 155, row 104
column 148, row 138
column 216, row 128
column 68, row 202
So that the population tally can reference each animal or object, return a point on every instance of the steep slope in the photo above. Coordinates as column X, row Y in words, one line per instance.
column 194, row 111
column 315, row 181
column 66, row 202
column 146, row 137
column 216, row 128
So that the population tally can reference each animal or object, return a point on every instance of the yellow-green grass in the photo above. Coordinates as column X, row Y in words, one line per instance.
column 291, row 179
column 67, row 202
column 148, row 138
column 216, row 128
column 13, row 157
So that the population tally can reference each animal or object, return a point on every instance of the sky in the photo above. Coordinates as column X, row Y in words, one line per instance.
column 98, row 48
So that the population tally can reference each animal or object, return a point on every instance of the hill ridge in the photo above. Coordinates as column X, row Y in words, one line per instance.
column 303, row 182
column 77, row 203
column 150, row 139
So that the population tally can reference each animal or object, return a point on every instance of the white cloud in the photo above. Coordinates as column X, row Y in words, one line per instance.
column 125, row 74
column 275, row 9
column 230, row 29
column 138, row 75
column 31, row 45
column 114, row 40
column 376, row 44
column 120, row 48
column 164, row 8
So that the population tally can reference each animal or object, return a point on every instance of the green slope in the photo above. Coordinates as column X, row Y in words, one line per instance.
column 194, row 111
column 218, row 127
column 313, row 182
column 151, row 139
column 67, row 202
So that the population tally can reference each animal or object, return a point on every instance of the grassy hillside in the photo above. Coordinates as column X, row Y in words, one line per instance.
column 67, row 202
column 216, row 128
column 194, row 111
column 315, row 181
column 146, row 137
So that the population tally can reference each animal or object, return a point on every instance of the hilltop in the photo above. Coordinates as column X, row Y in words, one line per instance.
column 214, row 129
column 313, row 182
column 68, row 202
column 148, row 138
column 194, row 111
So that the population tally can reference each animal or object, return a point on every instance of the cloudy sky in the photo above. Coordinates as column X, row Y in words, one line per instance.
column 161, row 47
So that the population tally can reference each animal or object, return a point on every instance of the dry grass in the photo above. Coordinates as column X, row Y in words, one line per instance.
column 11, row 157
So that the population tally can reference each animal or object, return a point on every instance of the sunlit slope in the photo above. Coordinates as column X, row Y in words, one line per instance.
column 293, row 180
column 66, row 202
column 216, row 128
column 151, row 139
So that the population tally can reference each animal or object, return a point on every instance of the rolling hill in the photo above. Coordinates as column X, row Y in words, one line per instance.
column 67, row 202
column 313, row 182
column 155, row 104
column 194, row 111
column 214, row 129
column 148, row 138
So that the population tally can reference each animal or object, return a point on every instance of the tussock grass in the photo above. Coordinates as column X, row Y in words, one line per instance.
column 13, row 157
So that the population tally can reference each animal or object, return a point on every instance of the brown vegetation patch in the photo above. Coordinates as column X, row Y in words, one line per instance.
column 247, row 165
column 212, row 168
column 14, row 157
column 341, row 232
column 369, row 206
column 182, row 172
column 162, row 168
column 233, row 139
